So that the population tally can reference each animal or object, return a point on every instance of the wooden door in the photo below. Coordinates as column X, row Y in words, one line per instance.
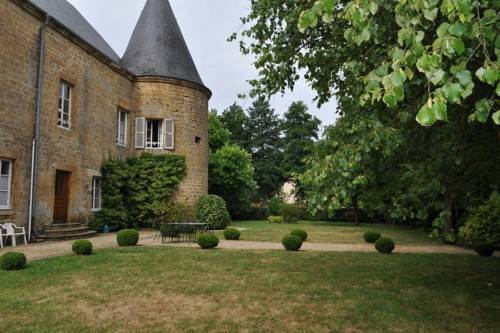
column 61, row 197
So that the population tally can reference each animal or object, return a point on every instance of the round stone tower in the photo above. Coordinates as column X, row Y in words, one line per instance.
column 170, row 101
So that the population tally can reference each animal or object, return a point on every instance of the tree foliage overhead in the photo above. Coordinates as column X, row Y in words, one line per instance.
column 219, row 134
column 390, row 63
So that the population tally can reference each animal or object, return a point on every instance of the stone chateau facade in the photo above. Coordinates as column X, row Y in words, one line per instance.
column 68, row 102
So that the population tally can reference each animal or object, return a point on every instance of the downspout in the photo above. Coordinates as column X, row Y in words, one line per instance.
column 35, row 149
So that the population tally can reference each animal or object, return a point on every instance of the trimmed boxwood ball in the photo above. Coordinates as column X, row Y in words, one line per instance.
column 13, row 261
column 385, row 245
column 301, row 233
column 208, row 241
column 232, row 234
column 292, row 243
column 127, row 237
column 484, row 249
column 372, row 236
column 212, row 210
column 82, row 247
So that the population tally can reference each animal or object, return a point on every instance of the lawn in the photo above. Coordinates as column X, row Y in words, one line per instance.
column 332, row 232
column 190, row 290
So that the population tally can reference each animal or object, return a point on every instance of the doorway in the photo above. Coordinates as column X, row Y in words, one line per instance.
column 61, row 197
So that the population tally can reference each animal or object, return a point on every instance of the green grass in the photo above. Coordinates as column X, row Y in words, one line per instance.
column 190, row 290
column 331, row 232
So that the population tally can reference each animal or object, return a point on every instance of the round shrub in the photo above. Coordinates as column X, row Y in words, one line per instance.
column 292, row 243
column 212, row 210
column 127, row 237
column 208, row 241
column 275, row 219
column 232, row 234
column 82, row 247
column 484, row 249
column 301, row 233
column 13, row 261
column 449, row 238
column 372, row 236
column 483, row 224
column 385, row 245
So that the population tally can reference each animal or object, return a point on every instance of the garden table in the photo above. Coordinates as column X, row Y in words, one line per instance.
column 181, row 232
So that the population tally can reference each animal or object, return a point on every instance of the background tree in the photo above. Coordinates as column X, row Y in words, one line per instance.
column 231, row 177
column 265, row 144
column 236, row 122
column 300, row 129
column 219, row 135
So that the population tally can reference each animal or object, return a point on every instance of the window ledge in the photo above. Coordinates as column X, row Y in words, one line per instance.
column 6, row 212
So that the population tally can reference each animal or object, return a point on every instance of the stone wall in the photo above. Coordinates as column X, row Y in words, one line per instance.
column 188, row 107
column 98, row 91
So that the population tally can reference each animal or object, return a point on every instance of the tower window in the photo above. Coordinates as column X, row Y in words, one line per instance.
column 153, row 133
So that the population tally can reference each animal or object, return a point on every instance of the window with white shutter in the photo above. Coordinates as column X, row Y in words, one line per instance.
column 169, row 134
column 140, row 124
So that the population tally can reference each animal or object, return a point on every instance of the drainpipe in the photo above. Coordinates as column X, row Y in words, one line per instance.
column 35, row 149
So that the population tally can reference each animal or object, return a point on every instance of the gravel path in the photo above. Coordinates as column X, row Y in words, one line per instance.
column 54, row 249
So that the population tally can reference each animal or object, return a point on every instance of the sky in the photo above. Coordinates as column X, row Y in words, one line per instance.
column 206, row 25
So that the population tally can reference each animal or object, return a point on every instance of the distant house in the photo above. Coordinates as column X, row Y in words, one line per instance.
column 68, row 101
column 287, row 193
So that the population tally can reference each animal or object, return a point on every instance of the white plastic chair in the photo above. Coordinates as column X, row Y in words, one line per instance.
column 10, row 229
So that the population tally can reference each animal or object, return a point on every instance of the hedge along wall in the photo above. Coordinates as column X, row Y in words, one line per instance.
column 136, row 192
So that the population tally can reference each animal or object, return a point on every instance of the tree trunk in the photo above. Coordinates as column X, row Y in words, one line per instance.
column 355, row 209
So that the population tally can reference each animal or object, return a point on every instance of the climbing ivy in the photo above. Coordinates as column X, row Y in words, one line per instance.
column 136, row 192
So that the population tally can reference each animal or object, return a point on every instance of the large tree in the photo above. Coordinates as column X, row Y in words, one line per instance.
column 300, row 130
column 219, row 135
column 236, row 121
column 265, row 145
column 392, row 63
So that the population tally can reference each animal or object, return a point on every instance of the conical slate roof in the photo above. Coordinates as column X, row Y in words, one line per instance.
column 157, row 47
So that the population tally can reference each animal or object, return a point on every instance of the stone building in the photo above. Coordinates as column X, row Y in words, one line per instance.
column 68, row 102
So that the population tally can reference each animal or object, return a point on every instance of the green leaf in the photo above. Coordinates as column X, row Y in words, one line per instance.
column 431, row 14
column 452, row 92
column 365, row 34
column 390, row 100
column 483, row 108
column 442, row 31
column 464, row 77
column 496, row 117
column 458, row 29
column 425, row 116
column 491, row 76
column 437, row 76
column 373, row 7
column 439, row 110
column 458, row 45
column 397, row 79
column 498, row 89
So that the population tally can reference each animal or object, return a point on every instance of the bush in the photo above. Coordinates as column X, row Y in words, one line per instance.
column 274, row 206
column 449, row 238
column 127, row 237
column 372, row 236
column 13, row 261
column 275, row 219
column 232, row 234
column 483, row 224
column 484, row 249
column 82, row 247
column 291, row 213
column 292, row 243
column 385, row 245
column 208, row 241
column 301, row 233
column 212, row 210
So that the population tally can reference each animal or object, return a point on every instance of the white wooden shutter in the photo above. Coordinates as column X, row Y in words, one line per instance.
column 168, row 134
column 140, row 124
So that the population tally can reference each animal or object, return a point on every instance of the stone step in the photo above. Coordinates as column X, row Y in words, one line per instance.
column 64, row 226
column 66, row 231
column 71, row 236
